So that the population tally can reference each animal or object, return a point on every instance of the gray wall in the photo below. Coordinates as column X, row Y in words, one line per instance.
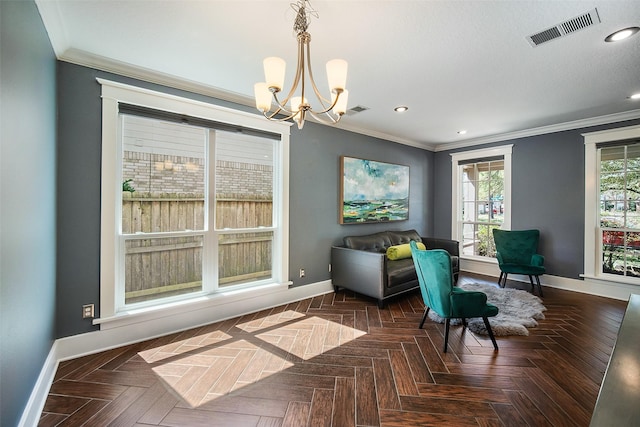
column 547, row 194
column 27, row 200
column 314, row 188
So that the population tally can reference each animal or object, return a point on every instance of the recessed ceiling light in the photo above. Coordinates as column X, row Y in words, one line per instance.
column 401, row 109
column 462, row 132
column 635, row 96
column 622, row 34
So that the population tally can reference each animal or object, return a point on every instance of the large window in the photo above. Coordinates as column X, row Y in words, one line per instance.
column 619, row 176
column 193, row 200
column 163, row 226
column 481, row 198
column 612, row 210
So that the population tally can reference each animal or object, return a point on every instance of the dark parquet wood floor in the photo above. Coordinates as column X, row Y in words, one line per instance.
column 337, row 360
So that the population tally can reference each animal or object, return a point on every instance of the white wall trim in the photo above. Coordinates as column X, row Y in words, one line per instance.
column 592, row 232
column 590, row 285
column 35, row 404
column 75, row 56
column 543, row 130
column 456, row 186
column 105, row 339
column 111, row 247
column 617, row 134
column 214, row 301
column 86, row 59
column 95, row 342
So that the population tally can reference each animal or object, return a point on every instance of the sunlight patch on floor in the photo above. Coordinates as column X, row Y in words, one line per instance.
column 250, row 352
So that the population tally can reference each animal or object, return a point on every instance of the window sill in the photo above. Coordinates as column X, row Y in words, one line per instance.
column 207, row 302
column 612, row 280
column 477, row 258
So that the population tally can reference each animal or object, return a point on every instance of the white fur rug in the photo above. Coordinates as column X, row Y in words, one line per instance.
column 518, row 310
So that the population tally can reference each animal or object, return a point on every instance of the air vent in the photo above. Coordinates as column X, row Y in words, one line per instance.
column 357, row 109
column 565, row 28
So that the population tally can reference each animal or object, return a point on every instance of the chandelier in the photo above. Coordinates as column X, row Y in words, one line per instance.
column 297, row 107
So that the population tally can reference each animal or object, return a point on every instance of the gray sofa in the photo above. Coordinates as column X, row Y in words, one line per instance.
column 362, row 265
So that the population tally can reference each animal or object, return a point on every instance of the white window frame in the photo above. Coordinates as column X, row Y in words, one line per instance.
column 114, row 93
column 592, row 242
column 456, row 190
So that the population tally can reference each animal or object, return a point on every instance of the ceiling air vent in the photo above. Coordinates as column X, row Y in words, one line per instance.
column 565, row 28
column 355, row 110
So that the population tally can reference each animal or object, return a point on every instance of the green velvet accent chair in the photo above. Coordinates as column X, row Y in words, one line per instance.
column 516, row 251
column 433, row 268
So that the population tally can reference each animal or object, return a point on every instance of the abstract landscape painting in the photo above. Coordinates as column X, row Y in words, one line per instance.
column 373, row 191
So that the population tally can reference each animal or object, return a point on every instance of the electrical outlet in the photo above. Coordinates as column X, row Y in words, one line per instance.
column 302, row 272
column 87, row 311
column 329, row 267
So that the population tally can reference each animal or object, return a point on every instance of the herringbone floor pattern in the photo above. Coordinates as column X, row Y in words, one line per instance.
column 337, row 360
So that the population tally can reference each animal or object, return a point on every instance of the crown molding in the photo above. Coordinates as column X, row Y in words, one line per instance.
column 83, row 58
column 90, row 60
column 386, row 137
column 54, row 25
column 542, row 130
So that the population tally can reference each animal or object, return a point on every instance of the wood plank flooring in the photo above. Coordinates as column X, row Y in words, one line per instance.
column 337, row 360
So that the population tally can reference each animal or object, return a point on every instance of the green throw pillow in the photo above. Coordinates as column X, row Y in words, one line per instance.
column 402, row 251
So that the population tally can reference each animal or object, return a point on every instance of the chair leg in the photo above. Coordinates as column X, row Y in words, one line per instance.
column 504, row 280
column 539, row 285
column 533, row 286
column 446, row 334
column 500, row 279
column 488, row 326
column 424, row 316
column 464, row 322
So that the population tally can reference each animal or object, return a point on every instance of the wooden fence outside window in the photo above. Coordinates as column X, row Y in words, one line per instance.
column 159, row 267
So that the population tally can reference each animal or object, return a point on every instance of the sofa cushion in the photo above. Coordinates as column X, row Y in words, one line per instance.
column 378, row 242
column 400, row 272
column 402, row 251
column 402, row 237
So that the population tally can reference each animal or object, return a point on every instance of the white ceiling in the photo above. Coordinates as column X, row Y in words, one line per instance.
column 455, row 64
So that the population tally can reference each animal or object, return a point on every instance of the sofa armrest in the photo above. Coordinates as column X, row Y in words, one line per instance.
column 451, row 246
column 360, row 271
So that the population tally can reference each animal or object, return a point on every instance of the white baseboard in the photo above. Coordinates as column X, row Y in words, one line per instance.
column 199, row 315
column 591, row 286
column 31, row 413
column 105, row 339
column 603, row 288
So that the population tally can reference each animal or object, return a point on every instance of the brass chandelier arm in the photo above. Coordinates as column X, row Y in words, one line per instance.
column 304, row 40
column 330, row 107
column 278, row 119
column 302, row 37
column 316, row 116
column 272, row 116
column 275, row 82
column 281, row 108
column 321, row 98
column 331, row 119
column 307, row 108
